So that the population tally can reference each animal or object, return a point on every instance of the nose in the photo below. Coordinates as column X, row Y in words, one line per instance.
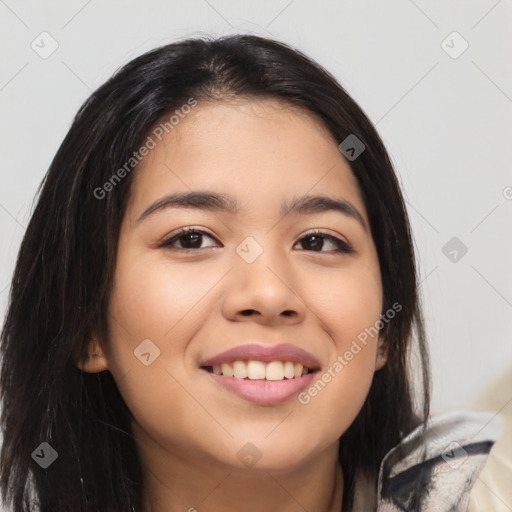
column 264, row 291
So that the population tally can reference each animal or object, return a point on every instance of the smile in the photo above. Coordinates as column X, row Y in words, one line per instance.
column 258, row 370
column 262, row 391
column 266, row 375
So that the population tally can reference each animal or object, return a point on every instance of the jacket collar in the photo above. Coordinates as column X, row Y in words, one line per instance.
column 434, row 467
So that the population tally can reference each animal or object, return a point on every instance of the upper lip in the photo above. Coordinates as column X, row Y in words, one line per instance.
column 265, row 353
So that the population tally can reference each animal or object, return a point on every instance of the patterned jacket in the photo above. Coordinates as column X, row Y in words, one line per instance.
column 437, row 467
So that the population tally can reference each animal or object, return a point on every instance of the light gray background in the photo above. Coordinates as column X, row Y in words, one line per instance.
column 446, row 122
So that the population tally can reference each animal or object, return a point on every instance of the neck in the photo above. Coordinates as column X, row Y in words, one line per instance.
column 176, row 482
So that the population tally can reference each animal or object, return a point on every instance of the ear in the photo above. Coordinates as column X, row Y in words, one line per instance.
column 382, row 353
column 95, row 360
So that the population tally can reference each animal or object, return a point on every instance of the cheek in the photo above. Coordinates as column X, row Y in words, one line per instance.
column 153, row 299
column 351, row 312
column 149, row 303
column 352, row 307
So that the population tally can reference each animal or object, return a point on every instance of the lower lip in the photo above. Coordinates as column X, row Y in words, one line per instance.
column 264, row 392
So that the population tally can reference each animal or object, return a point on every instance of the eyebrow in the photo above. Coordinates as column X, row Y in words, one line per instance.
column 217, row 202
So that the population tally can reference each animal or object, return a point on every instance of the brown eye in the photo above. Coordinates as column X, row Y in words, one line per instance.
column 315, row 242
column 188, row 238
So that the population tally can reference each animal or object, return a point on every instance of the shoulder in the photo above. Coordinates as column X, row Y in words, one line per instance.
column 492, row 489
column 435, row 466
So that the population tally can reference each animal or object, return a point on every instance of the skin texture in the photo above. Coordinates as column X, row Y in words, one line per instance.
column 191, row 306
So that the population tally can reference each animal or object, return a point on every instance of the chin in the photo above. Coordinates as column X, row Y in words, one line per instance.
column 274, row 452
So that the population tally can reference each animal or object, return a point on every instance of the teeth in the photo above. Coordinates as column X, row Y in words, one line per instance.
column 239, row 370
column 275, row 371
column 227, row 370
column 255, row 369
column 289, row 370
column 258, row 370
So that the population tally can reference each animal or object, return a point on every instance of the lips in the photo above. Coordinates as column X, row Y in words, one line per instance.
column 262, row 374
column 265, row 354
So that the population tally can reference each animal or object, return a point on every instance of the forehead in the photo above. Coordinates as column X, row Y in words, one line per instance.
column 260, row 151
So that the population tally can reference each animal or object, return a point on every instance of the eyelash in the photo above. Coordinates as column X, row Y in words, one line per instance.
column 343, row 247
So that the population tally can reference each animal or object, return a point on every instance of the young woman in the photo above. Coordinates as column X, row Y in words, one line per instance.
column 215, row 304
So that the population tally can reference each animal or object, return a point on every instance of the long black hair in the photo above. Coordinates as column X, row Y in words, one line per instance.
column 64, row 272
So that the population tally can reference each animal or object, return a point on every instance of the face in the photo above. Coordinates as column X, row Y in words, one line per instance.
column 289, row 291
